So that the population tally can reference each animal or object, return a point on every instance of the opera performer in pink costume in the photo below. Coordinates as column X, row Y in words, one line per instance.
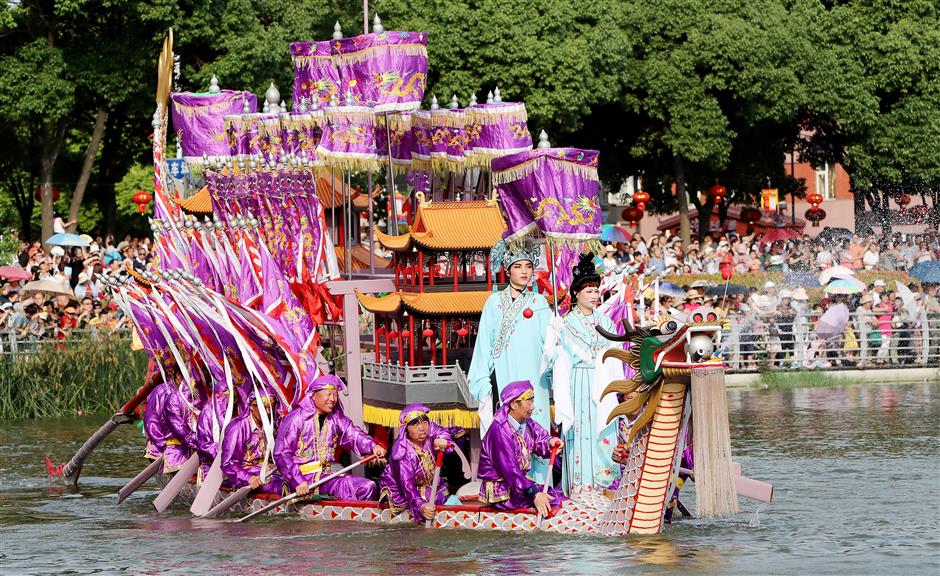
column 308, row 436
column 245, row 446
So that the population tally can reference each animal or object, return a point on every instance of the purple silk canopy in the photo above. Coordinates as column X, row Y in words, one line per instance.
column 494, row 130
column 316, row 79
column 554, row 190
column 440, row 140
column 198, row 119
column 349, row 138
column 401, row 138
column 385, row 71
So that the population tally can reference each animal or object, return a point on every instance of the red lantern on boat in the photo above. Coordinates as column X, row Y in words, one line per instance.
column 815, row 215
column 55, row 194
column 380, row 331
column 393, row 335
column 633, row 215
column 428, row 333
column 462, row 332
column 142, row 199
column 717, row 193
column 406, row 334
column 751, row 215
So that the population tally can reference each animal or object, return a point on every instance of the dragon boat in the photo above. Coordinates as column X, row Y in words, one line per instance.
column 244, row 224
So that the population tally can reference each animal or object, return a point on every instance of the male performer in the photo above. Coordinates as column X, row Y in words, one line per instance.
column 182, row 408
column 507, row 454
column 245, row 445
column 511, row 336
column 307, row 439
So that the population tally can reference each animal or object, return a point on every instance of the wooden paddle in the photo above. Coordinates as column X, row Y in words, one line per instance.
column 432, row 500
column 744, row 486
column 70, row 472
column 210, row 487
column 548, row 478
column 176, row 484
column 294, row 495
column 233, row 499
column 138, row 481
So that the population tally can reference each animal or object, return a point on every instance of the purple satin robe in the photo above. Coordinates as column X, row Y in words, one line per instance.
column 181, row 424
column 406, row 481
column 243, row 450
column 155, row 427
column 506, row 458
column 301, row 441
column 205, row 440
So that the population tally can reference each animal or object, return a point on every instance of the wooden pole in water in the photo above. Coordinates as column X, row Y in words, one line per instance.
column 715, row 494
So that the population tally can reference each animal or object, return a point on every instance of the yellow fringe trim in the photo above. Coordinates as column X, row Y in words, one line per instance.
column 190, row 111
column 366, row 53
column 308, row 57
column 449, row 118
column 452, row 417
column 530, row 166
column 490, row 116
column 355, row 114
column 352, row 164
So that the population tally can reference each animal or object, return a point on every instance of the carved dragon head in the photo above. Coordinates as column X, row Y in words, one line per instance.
column 670, row 348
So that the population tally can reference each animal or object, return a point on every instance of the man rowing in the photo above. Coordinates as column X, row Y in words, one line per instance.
column 406, row 481
column 182, row 408
column 507, row 452
column 245, row 448
column 308, row 437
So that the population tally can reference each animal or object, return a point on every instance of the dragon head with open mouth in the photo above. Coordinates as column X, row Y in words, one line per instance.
column 670, row 348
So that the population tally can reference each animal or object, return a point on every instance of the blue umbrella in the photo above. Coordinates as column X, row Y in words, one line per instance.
column 800, row 280
column 928, row 271
column 670, row 289
column 614, row 233
column 66, row 239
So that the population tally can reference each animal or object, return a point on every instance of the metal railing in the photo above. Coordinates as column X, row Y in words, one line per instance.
column 15, row 343
column 870, row 339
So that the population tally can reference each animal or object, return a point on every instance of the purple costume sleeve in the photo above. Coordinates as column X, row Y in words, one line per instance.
column 177, row 415
column 541, row 439
column 154, row 424
column 405, row 472
column 437, row 432
column 234, row 443
column 499, row 456
column 350, row 436
column 285, row 444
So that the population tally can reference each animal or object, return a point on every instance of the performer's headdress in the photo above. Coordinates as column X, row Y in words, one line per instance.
column 327, row 382
column 521, row 390
column 584, row 273
column 409, row 414
column 504, row 255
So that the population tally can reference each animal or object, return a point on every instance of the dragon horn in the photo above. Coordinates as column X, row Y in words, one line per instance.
column 629, row 407
column 621, row 386
column 619, row 354
column 646, row 416
column 625, row 337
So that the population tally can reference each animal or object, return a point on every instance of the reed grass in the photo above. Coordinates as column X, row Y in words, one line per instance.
column 797, row 379
column 87, row 375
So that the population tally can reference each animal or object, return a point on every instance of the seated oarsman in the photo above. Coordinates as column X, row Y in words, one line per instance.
column 156, row 429
column 182, row 408
column 244, row 446
column 208, row 425
column 406, row 482
column 507, row 451
column 308, row 437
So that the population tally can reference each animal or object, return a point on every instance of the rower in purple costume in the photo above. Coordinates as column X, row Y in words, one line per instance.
column 507, row 454
column 244, row 448
column 406, row 481
column 155, row 427
column 182, row 408
column 307, row 439
column 212, row 416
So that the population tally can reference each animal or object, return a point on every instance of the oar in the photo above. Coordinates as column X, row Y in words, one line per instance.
column 139, row 480
column 176, row 484
column 434, row 484
column 70, row 472
column 551, row 466
column 232, row 499
column 294, row 495
column 210, row 487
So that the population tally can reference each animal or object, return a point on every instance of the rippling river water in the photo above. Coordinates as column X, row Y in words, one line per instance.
column 856, row 471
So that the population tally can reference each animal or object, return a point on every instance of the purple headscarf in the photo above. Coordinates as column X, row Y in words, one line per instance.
column 510, row 393
column 408, row 414
column 327, row 382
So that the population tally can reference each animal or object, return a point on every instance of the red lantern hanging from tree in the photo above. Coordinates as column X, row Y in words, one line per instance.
column 633, row 215
column 142, row 199
column 717, row 193
column 751, row 215
column 815, row 215
column 55, row 194
column 641, row 198
column 815, row 199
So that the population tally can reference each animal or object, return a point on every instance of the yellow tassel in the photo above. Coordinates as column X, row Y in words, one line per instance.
column 448, row 417
column 391, row 49
column 190, row 111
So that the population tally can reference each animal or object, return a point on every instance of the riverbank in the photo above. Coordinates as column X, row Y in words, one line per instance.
column 822, row 378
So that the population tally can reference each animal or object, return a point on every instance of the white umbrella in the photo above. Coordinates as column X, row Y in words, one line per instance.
column 47, row 286
column 845, row 286
column 837, row 271
column 907, row 297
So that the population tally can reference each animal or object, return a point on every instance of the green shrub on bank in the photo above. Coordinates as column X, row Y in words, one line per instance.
column 88, row 375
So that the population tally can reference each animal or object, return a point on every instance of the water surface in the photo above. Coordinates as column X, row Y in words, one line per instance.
column 855, row 470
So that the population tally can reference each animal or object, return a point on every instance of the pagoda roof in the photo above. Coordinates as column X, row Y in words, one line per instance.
column 198, row 204
column 474, row 225
column 330, row 193
column 360, row 259
column 431, row 303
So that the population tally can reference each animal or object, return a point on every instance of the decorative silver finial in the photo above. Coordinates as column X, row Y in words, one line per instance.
column 303, row 107
column 179, row 148
column 337, row 31
column 214, row 85
column 434, row 104
column 454, row 103
column 334, row 100
column 497, row 98
column 350, row 99
column 315, row 104
column 489, row 97
column 272, row 97
column 473, row 99
column 246, row 106
column 282, row 106
column 205, row 160
column 377, row 25
column 266, row 108
column 543, row 140
column 157, row 121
